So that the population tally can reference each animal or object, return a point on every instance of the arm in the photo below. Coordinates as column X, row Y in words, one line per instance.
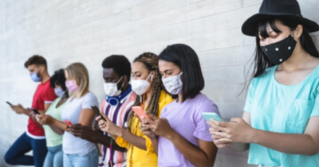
column 89, row 134
column 204, row 155
column 137, row 141
column 239, row 131
column 305, row 144
column 116, row 131
column 56, row 129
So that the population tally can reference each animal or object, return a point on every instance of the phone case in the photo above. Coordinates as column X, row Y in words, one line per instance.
column 208, row 116
column 68, row 122
column 140, row 112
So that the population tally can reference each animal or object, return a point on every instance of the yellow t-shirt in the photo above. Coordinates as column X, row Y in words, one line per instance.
column 137, row 157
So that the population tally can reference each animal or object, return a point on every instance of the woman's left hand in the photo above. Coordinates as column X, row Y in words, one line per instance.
column 237, row 130
column 160, row 126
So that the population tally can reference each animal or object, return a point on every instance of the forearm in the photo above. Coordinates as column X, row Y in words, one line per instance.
column 288, row 143
column 190, row 152
column 56, row 129
column 137, row 141
column 59, row 124
column 106, row 141
column 155, row 144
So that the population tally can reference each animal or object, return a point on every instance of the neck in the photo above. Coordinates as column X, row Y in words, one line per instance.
column 148, row 96
column 45, row 77
column 298, row 60
column 180, row 98
column 124, row 89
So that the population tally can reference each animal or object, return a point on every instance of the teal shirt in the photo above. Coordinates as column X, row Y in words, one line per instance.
column 284, row 109
column 53, row 139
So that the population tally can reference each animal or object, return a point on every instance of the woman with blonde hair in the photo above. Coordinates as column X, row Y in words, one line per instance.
column 152, row 98
column 77, row 152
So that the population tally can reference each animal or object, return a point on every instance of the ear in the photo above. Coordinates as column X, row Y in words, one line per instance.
column 298, row 32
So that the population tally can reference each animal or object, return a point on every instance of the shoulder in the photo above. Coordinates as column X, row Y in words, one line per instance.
column 89, row 97
column 202, row 99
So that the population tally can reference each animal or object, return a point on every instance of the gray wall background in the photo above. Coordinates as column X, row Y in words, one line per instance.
column 87, row 31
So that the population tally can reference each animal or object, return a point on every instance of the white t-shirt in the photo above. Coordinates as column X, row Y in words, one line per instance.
column 73, row 108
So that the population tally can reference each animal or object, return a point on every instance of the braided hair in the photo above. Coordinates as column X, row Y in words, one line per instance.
column 150, row 61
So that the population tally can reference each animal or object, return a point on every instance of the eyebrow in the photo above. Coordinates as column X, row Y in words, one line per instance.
column 167, row 70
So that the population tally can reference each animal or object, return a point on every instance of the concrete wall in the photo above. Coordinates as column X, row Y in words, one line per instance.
column 67, row 31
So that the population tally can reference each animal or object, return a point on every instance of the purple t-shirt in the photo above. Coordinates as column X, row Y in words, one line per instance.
column 187, row 120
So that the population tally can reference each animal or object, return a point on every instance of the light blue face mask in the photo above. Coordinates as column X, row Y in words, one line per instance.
column 35, row 77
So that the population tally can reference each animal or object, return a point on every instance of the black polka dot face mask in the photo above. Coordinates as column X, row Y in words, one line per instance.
column 280, row 51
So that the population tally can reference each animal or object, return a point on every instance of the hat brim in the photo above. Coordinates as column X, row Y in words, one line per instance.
column 250, row 25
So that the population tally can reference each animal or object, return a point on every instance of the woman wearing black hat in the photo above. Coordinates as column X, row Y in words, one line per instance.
column 281, row 115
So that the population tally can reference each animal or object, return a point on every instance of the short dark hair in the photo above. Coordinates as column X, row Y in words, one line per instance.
column 119, row 63
column 187, row 60
column 36, row 60
column 58, row 78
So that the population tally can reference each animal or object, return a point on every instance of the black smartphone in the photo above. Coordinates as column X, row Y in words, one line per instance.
column 35, row 111
column 97, row 112
column 9, row 103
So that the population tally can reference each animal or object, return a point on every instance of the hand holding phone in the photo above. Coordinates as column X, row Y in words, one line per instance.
column 211, row 115
column 35, row 111
column 97, row 112
column 140, row 112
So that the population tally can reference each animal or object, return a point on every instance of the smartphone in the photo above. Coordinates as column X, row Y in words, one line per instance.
column 140, row 112
column 9, row 103
column 211, row 115
column 35, row 111
column 97, row 112
column 68, row 122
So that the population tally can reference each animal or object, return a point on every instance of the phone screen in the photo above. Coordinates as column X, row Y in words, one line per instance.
column 208, row 116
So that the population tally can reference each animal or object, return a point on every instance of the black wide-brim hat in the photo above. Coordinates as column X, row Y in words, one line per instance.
column 286, row 9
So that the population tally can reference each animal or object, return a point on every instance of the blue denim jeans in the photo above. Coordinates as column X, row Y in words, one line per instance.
column 54, row 157
column 16, row 153
column 81, row 160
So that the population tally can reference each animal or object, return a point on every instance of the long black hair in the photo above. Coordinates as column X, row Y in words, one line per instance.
column 261, row 62
column 187, row 60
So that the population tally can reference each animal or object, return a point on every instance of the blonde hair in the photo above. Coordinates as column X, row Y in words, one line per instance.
column 80, row 74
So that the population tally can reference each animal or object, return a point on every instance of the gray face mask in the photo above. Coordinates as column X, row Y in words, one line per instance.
column 59, row 92
column 279, row 52
column 173, row 84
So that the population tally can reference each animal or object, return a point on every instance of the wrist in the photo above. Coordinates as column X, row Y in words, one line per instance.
column 121, row 132
column 170, row 135
column 253, row 136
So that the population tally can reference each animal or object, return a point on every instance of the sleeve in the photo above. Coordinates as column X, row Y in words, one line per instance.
column 49, row 95
column 202, row 128
column 315, row 110
column 249, row 97
column 89, row 101
column 121, row 142
column 148, row 144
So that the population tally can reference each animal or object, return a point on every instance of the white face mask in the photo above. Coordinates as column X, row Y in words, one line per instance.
column 140, row 86
column 173, row 84
column 110, row 89
column 59, row 92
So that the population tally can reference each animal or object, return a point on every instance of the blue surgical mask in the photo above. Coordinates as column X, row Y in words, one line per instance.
column 59, row 92
column 34, row 76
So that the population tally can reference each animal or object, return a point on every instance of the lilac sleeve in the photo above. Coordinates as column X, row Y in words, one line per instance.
column 202, row 128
